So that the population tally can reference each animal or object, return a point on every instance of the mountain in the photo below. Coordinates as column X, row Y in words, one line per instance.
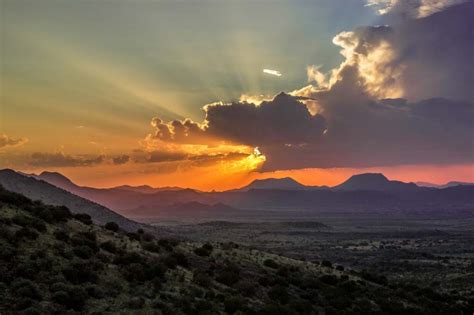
column 52, row 262
column 375, row 182
column 146, row 189
column 56, row 179
column 40, row 190
column 364, row 192
column 449, row 184
column 286, row 183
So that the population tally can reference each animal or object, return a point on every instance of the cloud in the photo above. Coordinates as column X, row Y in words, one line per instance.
column 6, row 141
column 59, row 159
column 402, row 95
column 411, row 8
column 120, row 159
column 282, row 120
column 272, row 72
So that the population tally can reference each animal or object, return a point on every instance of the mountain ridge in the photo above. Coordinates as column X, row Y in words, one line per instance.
column 48, row 193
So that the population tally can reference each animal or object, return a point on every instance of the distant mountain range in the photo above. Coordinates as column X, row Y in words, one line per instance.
column 363, row 192
column 449, row 184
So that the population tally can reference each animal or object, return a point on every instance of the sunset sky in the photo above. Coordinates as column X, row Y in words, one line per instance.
column 189, row 93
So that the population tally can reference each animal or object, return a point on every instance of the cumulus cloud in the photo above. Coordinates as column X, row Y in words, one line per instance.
column 282, row 120
column 411, row 8
column 6, row 141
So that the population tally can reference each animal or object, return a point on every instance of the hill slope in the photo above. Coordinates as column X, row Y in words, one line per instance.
column 54, row 262
column 47, row 193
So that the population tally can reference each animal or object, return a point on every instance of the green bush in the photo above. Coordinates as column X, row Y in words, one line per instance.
column 84, row 218
column 26, row 288
column 201, row 251
column 61, row 235
column 202, row 279
column 25, row 221
column 270, row 263
column 26, row 233
column 326, row 263
column 72, row 297
column 233, row 304
column 61, row 213
column 80, row 272
column 279, row 293
column 84, row 252
column 112, row 226
column 109, row 246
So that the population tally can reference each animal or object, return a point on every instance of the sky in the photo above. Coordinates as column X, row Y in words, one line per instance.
column 189, row 93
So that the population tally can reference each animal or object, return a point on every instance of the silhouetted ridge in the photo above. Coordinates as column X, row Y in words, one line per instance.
column 373, row 181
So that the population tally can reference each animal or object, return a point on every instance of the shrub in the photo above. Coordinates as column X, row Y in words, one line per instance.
column 25, row 221
column 127, row 258
column 61, row 235
column 84, row 218
column 26, row 233
column 88, row 239
column 328, row 279
column 133, row 236
column 279, row 293
column 326, row 263
column 109, row 246
column 72, row 297
column 270, row 263
column 78, row 272
column 247, row 288
column 83, row 252
column 112, row 226
column 136, row 303
column 13, row 198
column 60, row 213
column 228, row 277
column 151, row 247
column 155, row 270
column 168, row 243
column 201, row 251
column 134, row 272
column 26, row 288
column 233, row 304
column 202, row 279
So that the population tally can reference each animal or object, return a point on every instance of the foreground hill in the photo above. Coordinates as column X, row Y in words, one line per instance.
column 52, row 261
column 50, row 194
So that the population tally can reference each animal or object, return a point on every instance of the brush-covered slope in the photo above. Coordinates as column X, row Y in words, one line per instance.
column 50, row 194
column 54, row 262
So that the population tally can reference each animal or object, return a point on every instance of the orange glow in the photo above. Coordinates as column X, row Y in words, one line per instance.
column 229, row 174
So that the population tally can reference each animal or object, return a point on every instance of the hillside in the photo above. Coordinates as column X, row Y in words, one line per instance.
column 52, row 261
column 47, row 193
